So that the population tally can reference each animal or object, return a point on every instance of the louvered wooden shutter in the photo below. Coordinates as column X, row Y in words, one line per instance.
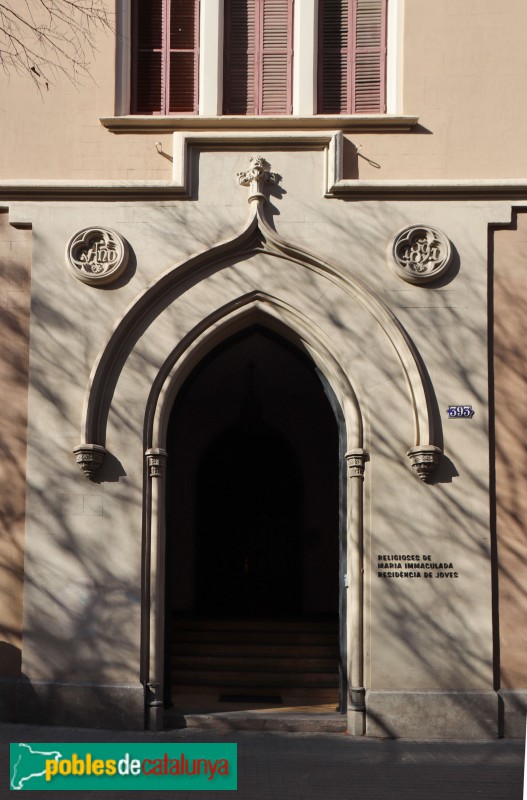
column 370, row 57
column 147, row 63
column 276, row 56
column 182, row 35
column 352, row 56
column 165, row 62
column 239, row 73
column 333, row 53
column 258, row 53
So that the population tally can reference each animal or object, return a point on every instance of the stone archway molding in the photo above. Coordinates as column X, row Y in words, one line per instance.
column 256, row 236
column 255, row 306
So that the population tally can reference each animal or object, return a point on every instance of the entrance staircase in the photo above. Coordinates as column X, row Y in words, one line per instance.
column 254, row 663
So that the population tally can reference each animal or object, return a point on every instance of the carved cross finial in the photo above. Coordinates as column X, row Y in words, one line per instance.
column 257, row 177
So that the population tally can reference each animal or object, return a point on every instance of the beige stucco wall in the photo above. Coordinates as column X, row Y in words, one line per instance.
column 463, row 74
column 15, row 272
column 84, row 539
column 463, row 68
column 510, row 295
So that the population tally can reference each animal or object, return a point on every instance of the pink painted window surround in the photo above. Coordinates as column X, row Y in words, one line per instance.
column 352, row 56
column 258, row 57
column 165, row 52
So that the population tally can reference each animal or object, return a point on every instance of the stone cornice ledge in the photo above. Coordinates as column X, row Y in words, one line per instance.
column 79, row 190
column 136, row 190
column 355, row 122
column 440, row 188
column 330, row 142
column 337, row 186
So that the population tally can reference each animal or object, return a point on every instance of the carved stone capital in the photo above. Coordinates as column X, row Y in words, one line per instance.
column 424, row 460
column 258, row 176
column 89, row 457
column 356, row 460
column 156, row 459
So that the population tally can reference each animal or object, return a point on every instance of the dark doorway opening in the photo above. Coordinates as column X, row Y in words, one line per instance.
column 248, row 522
column 252, row 564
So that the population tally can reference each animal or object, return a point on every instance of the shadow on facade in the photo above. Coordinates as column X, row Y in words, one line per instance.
column 453, row 655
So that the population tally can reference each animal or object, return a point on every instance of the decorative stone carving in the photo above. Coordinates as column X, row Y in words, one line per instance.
column 97, row 255
column 89, row 457
column 424, row 460
column 356, row 459
column 156, row 459
column 421, row 254
column 258, row 176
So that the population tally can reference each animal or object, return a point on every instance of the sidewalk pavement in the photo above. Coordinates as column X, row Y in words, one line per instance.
column 275, row 765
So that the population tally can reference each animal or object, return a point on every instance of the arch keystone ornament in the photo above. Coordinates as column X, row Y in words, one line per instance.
column 421, row 254
column 258, row 176
column 97, row 256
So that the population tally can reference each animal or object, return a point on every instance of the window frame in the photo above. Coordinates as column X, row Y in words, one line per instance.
column 305, row 47
column 259, row 53
column 344, row 66
column 167, row 53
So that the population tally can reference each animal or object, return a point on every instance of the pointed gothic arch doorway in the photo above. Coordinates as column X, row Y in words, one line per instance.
column 253, row 549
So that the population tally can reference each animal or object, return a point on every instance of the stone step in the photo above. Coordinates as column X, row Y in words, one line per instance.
column 288, row 663
column 308, row 696
column 206, row 648
column 255, row 656
column 254, row 679
column 258, row 720
column 265, row 636
column 199, row 623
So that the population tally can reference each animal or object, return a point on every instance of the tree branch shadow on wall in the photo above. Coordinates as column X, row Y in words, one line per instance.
column 111, row 470
column 450, row 662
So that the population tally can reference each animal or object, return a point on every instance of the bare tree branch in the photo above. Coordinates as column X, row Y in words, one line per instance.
column 44, row 38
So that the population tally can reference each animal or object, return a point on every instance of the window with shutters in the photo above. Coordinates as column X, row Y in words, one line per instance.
column 341, row 72
column 352, row 56
column 165, row 56
column 258, row 57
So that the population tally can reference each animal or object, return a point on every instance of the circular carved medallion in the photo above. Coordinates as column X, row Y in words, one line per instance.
column 97, row 255
column 421, row 254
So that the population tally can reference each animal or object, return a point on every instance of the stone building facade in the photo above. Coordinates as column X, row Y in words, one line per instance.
column 293, row 339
